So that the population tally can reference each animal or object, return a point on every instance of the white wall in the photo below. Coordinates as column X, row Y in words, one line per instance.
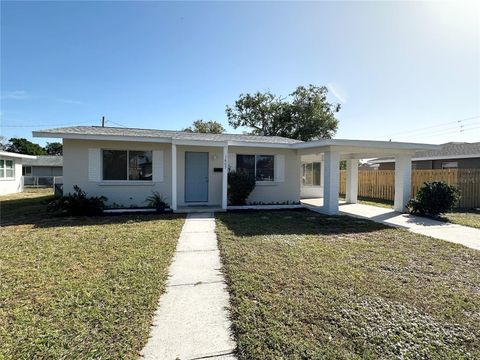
column 75, row 171
column 275, row 191
column 15, row 185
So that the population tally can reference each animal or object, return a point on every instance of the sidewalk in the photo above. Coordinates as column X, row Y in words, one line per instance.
column 191, row 321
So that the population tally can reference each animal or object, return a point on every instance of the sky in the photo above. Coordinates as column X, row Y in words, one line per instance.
column 405, row 71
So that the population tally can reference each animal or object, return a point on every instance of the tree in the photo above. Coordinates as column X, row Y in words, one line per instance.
column 305, row 115
column 23, row 146
column 3, row 143
column 206, row 127
column 54, row 148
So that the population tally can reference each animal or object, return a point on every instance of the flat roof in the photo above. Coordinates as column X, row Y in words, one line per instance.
column 15, row 155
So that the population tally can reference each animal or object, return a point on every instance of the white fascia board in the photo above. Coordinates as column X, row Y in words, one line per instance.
column 15, row 155
column 446, row 157
column 199, row 143
column 102, row 137
column 259, row 144
column 393, row 145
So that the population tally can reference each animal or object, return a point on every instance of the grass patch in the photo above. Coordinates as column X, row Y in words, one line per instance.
column 467, row 218
column 80, row 287
column 304, row 285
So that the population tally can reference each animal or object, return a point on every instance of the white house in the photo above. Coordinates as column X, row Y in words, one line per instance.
column 190, row 169
column 11, row 172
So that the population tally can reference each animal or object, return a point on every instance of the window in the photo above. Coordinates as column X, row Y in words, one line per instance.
column 450, row 165
column 261, row 167
column 311, row 174
column 127, row 165
column 7, row 169
column 27, row 171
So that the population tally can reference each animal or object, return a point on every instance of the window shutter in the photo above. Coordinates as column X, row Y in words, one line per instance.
column 94, row 165
column 279, row 168
column 158, row 165
column 232, row 162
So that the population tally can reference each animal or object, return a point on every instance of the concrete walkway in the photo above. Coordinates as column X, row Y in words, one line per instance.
column 459, row 234
column 191, row 321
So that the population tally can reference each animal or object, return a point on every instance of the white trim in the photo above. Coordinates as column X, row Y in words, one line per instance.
column 125, row 183
column 225, row 177
column 207, row 143
column 470, row 156
column 366, row 144
column 15, row 155
column 174, row 177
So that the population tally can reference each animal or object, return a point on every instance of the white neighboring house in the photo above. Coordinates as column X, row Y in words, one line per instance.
column 11, row 172
column 190, row 169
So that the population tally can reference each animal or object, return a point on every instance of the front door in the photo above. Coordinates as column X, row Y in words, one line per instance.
column 196, row 176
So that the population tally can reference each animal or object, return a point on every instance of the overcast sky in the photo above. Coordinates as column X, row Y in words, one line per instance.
column 406, row 71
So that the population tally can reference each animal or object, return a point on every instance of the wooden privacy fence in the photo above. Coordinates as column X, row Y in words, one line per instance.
column 380, row 184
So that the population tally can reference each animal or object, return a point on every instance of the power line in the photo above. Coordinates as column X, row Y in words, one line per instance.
column 31, row 126
column 430, row 132
column 431, row 127
column 446, row 132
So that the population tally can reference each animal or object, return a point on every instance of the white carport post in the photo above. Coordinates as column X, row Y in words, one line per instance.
column 331, row 182
column 174, row 177
column 225, row 177
column 351, row 191
column 403, row 181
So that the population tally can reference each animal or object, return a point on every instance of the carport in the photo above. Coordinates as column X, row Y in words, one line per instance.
column 332, row 151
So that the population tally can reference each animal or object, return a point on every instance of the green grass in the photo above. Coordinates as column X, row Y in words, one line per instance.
column 304, row 285
column 79, row 288
column 467, row 218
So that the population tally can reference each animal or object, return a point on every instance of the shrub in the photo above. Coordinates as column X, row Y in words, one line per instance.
column 157, row 201
column 240, row 185
column 77, row 204
column 434, row 198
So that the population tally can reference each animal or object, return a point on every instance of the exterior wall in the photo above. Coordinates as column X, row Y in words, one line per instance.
column 75, row 165
column 468, row 163
column 14, row 185
column 288, row 190
column 215, row 155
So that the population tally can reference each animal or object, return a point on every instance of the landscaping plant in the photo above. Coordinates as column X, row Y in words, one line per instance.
column 434, row 198
column 77, row 204
column 240, row 185
column 157, row 201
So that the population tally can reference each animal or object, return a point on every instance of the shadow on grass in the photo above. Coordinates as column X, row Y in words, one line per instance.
column 294, row 222
column 33, row 211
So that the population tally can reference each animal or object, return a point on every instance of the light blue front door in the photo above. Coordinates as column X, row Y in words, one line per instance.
column 196, row 176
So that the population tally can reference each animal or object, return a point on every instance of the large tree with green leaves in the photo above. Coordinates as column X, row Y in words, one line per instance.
column 202, row 126
column 305, row 114
column 23, row 146
column 54, row 148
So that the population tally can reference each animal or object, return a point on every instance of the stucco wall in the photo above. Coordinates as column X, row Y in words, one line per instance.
column 288, row 190
column 75, row 171
column 10, row 186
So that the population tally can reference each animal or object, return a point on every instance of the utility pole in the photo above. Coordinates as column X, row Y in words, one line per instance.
column 103, row 121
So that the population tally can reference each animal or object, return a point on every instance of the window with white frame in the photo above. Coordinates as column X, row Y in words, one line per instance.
column 7, row 169
column 260, row 167
column 127, row 165
column 311, row 174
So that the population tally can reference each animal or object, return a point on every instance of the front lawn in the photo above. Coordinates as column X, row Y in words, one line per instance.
column 304, row 285
column 79, row 288
column 467, row 218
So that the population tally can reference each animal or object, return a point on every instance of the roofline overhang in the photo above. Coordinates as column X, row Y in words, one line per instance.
column 17, row 156
column 428, row 158
column 373, row 144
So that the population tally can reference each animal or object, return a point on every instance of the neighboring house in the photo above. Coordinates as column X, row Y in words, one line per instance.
column 43, row 165
column 190, row 169
column 452, row 155
column 11, row 172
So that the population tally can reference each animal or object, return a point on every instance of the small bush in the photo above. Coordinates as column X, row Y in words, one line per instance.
column 77, row 204
column 434, row 198
column 240, row 185
column 157, row 201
